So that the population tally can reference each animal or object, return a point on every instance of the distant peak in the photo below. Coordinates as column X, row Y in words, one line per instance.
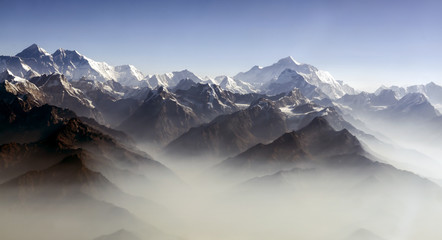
column 33, row 51
column 289, row 60
column 432, row 84
column 319, row 121
column 413, row 98
column 318, row 124
column 184, row 71
column 33, row 47
column 73, row 160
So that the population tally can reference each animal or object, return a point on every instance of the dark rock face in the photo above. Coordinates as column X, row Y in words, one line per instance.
column 230, row 134
column 185, row 84
column 114, row 101
column 47, row 134
column 164, row 115
column 160, row 118
column 18, row 124
column 60, row 93
column 207, row 101
column 68, row 175
column 318, row 141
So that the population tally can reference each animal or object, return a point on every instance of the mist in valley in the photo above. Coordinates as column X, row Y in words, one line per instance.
column 306, row 201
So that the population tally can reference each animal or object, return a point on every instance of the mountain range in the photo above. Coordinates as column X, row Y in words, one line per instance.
column 79, row 134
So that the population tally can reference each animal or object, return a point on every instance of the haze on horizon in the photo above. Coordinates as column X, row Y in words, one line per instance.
column 366, row 44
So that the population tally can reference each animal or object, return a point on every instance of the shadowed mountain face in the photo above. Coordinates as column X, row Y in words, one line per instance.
column 262, row 122
column 47, row 134
column 108, row 155
column 165, row 115
column 185, row 84
column 160, row 118
column 301, row 115
column 207, row 101
column 70, row 176
column 18, row 124
column 318, row 141
column 60, row 93
column 114, row 111
column 61, row 165
column 114, row 101
column 230, row 134
column 12, row 86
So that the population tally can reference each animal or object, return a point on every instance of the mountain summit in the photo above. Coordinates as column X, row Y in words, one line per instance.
column 261, row 77
column 33, row 51
column 70, row 63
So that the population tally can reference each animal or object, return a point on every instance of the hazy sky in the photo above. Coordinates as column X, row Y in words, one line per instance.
column 363, row 42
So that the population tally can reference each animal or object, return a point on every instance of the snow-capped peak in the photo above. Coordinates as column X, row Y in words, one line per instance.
column 235, row 86
column 76, row 66
column 33, row 51
column 262, row 77
column 171, row 79
column 258, row 76
column 288, row 61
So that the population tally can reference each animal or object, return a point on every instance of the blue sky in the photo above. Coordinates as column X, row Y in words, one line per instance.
column 365, row 43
